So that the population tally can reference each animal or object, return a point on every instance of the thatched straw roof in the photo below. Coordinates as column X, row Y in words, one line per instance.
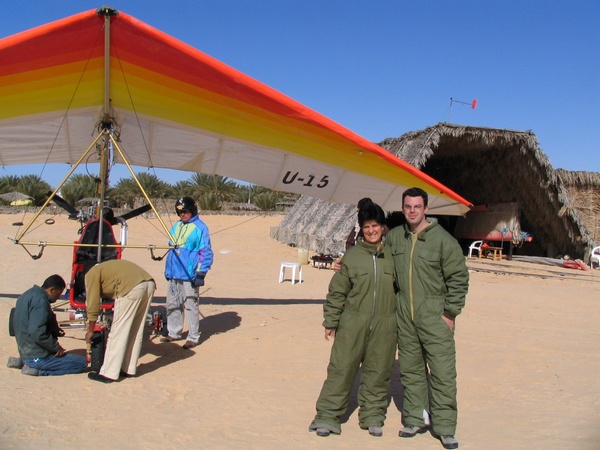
column 583, row 189
column 317, row 225
column 483, row 165
column 14, row 196
column 241, row 206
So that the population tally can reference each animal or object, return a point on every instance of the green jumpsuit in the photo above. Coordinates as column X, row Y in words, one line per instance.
column 361, row 306
column 433, row 279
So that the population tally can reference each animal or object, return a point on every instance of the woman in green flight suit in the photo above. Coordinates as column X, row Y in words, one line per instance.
column 360, row 313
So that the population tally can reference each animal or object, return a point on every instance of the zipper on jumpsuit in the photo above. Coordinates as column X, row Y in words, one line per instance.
column 374, row 291
column 413, row 239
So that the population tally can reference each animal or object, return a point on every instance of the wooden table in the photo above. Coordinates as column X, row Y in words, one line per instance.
column 497, row 252
column 322, row 261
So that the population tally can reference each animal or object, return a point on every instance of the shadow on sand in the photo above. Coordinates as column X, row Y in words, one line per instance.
column 394, row 395
column 247, row 301
column 170, row 352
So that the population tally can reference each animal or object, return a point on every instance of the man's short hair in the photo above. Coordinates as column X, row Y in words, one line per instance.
column 54, row 281
column 415, row 192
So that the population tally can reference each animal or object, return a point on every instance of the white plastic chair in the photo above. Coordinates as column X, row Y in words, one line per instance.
column 294, row 266
column 476, row 245
column 595, row 257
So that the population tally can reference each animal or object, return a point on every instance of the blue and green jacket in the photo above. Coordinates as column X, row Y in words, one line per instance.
column 192, row 252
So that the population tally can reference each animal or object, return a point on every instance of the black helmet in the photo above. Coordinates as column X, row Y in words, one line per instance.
column 186, row 204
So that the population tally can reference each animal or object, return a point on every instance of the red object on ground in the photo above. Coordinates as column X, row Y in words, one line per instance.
column 577, row 264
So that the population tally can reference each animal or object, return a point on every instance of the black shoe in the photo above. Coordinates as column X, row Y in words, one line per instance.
column 125, row 374
column 97, row 377
column 189, row 345
column 169, row 339
column 26, row 370
column 323, row 432
column 14, row 362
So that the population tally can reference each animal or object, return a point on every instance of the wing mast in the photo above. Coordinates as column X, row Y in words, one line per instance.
column 106, row 124
column 109, row 141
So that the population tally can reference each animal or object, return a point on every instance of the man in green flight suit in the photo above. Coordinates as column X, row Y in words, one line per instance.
column 433, row 279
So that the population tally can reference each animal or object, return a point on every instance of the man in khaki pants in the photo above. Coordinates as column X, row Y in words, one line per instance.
column 132, row 289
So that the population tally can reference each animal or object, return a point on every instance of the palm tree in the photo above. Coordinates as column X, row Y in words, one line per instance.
column 127, row 190
column 209, row 201
column 267, row 201
column 77, row 187
column 154, row 186
column 224, row 188
column 9, row 183
column 247, row 193
column 35, row 187
column 182, row 188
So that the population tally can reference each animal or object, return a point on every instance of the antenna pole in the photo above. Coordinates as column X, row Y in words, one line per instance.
column 473, row 105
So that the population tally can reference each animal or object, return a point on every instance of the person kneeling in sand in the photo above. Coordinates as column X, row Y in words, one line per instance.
column 36, row 331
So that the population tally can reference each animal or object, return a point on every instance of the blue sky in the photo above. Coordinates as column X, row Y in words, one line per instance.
column 383, row 68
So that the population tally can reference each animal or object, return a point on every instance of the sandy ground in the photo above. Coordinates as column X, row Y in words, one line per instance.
column 528, row 358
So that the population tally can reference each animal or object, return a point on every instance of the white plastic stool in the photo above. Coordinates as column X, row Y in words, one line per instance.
column 293, row 266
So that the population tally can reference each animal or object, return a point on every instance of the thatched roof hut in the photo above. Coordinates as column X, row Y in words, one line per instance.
column 483, row 165
column 583, row 189
column 14, row 196
column 317, row 225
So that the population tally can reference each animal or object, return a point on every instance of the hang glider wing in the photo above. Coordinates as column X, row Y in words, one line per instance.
column 174, row 107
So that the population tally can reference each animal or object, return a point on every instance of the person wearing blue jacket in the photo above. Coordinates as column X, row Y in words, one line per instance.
column 187, row 264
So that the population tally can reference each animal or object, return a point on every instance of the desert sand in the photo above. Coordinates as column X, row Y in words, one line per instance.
column 527, row 342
